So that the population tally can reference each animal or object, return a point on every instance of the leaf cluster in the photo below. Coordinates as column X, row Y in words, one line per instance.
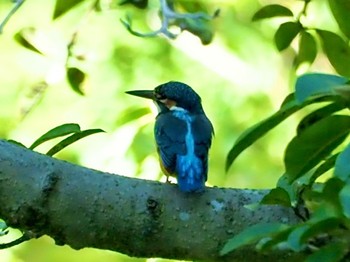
column 319, row 146
column 335, row 46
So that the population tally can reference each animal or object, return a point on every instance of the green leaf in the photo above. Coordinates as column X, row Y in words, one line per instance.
column 344, row 197
column 342, row 166
column 323, row 168
column 307, row 49
column 341, row 11
column 337, row 51
column 142, row 4
column 62, row 6
column 249, row 136
column 252, row 235
column 26, row 38
column 76, row 78
column 310, row 85
column 321, row 227
column 319, row 114
column 71, row 139
column 269, row 11
column 313, row 145
column 277, row 196
column 294, row 239
column 131, row 114
column 16, row 143
column 285, row 34
column 330, row 253
column 58, row 131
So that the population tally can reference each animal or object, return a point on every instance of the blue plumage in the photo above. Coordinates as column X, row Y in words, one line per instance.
column 183, row 134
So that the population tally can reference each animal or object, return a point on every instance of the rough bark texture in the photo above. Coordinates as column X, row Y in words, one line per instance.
column 81, row 207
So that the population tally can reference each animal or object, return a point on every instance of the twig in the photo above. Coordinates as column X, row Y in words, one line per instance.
column 167, row 15
column 10, row 14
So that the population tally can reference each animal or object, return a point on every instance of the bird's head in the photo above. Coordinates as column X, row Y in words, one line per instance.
column 172, row 96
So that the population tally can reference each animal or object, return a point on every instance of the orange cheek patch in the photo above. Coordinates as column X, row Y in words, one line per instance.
column 170, row 103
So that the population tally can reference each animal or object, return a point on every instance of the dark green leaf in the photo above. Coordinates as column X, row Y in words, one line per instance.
column 277, row 196
column 342, row 164
column 76, row 78
column 330, row 194
column 283, row 182
column 331, row 253
column 62, row 6
column 285, row 34
column 307, row 48
column 279, row 237
column 269, row 11
column 58, row 131
column 319, row 114
column 71, row 139
column 249, row 136
column 313, row 145
column 26, row 38
column 341, row 11
column 252, row 235
column 294, row 239
column 142, row 4
column 337, row 51
column 310, row 85
column 321, row 227
column 323, row 168
column 16, row 143
column 344, row 197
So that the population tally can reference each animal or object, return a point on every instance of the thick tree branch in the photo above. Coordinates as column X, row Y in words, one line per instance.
column 81, row 207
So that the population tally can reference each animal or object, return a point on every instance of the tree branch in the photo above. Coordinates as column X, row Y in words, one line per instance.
column 82, row 207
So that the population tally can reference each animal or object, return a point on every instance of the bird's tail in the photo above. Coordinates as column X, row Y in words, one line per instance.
column 190, row 174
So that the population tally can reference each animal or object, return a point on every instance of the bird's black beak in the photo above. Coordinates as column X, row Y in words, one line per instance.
column 142, row 93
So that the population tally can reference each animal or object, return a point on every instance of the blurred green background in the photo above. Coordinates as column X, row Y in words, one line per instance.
column 240, row 76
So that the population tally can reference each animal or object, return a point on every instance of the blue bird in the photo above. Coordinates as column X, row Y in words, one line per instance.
column 183, row 133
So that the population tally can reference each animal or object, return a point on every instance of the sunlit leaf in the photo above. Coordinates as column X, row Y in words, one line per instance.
column 277, row 196
column 58, row 131
column 342, row 164
column 71, row 139
column 344, row 197
column 252, row 235
column 337, row 51
column 307, row 48
column 285, row 34
column 76, row 78
column 330, row 253
column 62, row 6
column 131, row 114
column 309, row 85
column 319, row 114
column 341, row 11
column 269, row 11
column 313, row 145
column 25, row 38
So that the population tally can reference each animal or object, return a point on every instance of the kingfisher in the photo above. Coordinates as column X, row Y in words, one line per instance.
column 183, row 133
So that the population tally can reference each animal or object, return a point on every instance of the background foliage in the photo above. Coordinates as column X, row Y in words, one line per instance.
column 75, row 69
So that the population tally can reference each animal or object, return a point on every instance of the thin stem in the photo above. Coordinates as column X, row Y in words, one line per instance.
column 10, row 14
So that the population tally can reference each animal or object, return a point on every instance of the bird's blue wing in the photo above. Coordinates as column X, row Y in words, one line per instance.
column 202, row 131
column 170, row 133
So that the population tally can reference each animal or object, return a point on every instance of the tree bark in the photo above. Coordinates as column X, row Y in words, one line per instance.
column 82, row 207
